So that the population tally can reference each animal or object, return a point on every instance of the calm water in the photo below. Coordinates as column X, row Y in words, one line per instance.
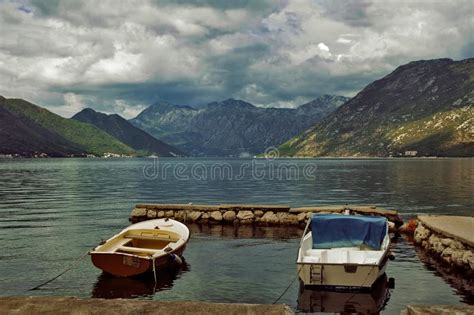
column 52, row 211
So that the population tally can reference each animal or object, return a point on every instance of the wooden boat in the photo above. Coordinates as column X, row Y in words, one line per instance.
column 343, row 251
column 142, row 247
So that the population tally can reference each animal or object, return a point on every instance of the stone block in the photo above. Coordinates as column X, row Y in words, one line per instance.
column 229, row 216
column 287, row 218
column 194, row 215
column 455, row 244
column 151, row 214
column 421, row 234
column 216, row 216
column 303, row 217
column 447, row 252
column 245, row 215
column 139, row 212
column 269, row 218
column 446, row 241
column 180, row 215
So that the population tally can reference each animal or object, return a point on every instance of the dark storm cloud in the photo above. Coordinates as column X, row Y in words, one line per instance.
column 352, row 13
column 467, row 51
column 49, row 7
column 120, row 56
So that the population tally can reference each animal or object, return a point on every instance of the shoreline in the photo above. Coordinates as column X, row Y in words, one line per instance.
column 240, row 158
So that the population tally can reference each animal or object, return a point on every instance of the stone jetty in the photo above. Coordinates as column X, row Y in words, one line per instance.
column 73, row 305
column 450, row 238
column 245, row 214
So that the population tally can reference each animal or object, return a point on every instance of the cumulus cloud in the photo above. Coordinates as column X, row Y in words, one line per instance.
column 125, row 109
column 121, row 56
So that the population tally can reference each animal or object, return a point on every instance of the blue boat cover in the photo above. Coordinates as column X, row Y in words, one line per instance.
column 335, row 230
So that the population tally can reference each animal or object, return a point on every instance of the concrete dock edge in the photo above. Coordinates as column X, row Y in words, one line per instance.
column 74, row 305
column 449, row 238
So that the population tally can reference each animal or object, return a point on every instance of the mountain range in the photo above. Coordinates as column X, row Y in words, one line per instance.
column 121, row 129
column 231, row 127
column 421, row 108
column 29, row 130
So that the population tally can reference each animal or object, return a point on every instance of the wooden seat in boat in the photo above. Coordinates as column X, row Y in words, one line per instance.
column 138, row 250
column 152, row 238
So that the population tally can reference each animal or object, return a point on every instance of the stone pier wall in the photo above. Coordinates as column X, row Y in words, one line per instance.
column 447, row 247
column 265, row 215
column 74, row 305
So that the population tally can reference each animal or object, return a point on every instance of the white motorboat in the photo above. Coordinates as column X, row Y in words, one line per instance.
column 343, row 251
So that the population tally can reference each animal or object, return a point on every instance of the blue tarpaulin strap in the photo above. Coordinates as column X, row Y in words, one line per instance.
column 335, row 230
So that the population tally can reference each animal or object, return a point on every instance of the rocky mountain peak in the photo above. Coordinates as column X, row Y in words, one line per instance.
column 123, row 130
column 423, row 106
column 231, row 103
column 325, row 101
column 90, row 114
column 230, row 127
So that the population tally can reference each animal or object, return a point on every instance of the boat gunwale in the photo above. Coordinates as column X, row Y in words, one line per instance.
column 340, row 288
column 93, row 252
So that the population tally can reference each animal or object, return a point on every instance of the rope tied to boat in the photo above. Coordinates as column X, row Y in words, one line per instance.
column 289, row 286
column 154, row 267
column 63, row 272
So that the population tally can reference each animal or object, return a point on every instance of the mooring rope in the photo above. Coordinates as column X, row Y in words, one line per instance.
column 288, row 287
column 299, row 268
column 59, row 275
column 154, row 268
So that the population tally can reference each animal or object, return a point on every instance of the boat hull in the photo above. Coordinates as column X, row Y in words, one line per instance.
column 343, row 276
column 126, row 265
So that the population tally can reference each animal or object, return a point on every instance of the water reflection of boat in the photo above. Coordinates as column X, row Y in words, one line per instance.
column 367, row 302
column 111, row 287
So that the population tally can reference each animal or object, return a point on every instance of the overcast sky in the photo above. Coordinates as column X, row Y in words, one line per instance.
column 121, row 56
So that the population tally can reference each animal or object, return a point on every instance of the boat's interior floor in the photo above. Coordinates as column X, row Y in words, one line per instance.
column 144, row 242
column 345, row 255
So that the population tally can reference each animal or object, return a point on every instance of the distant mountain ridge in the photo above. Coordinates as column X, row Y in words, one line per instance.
column 30, row 130
column 19, row 135
column 425, row 107
column 127, row 133
column 231, row 127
